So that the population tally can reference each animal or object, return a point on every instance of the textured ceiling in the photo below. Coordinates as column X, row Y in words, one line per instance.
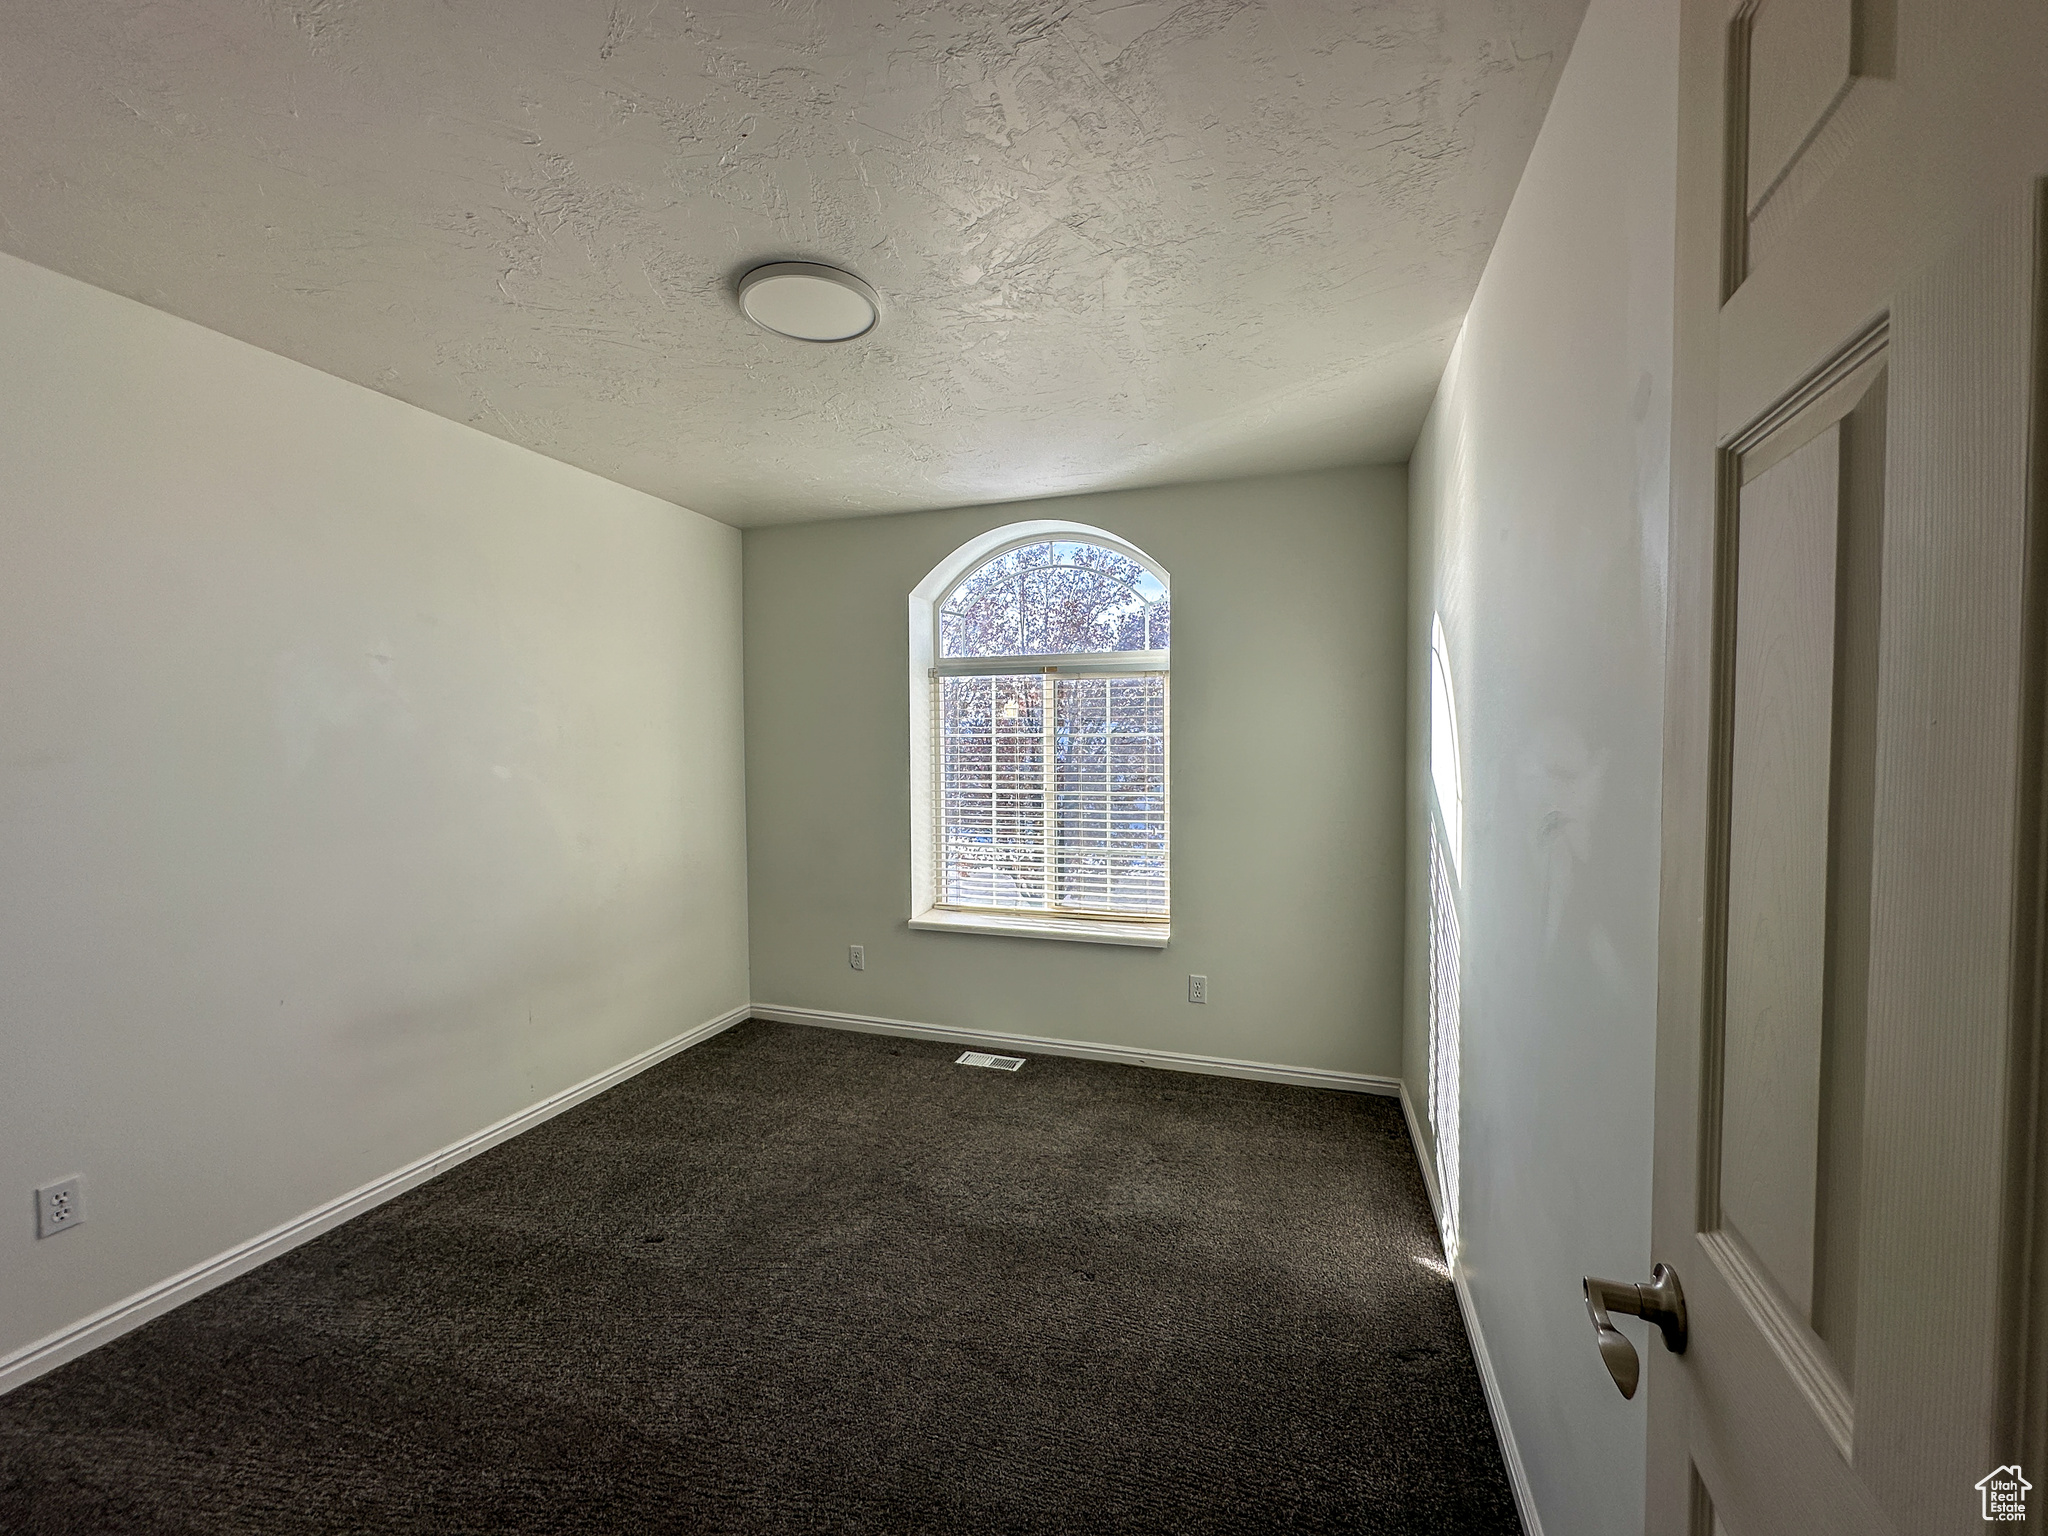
column 1117, row 244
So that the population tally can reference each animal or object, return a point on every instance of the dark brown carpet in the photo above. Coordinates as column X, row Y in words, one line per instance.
column 801, row 1281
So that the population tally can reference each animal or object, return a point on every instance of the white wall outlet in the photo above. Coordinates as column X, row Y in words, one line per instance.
column 1198, row 989
column 857, row 957
column 59, row 1206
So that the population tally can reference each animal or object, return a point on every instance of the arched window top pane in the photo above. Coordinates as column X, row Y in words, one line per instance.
column 1445, row 771
column 1057, row 597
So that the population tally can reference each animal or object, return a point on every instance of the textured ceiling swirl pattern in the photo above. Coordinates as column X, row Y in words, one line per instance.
column 1116, row 244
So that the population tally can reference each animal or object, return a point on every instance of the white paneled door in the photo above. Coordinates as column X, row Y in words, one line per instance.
column 1848, row 1103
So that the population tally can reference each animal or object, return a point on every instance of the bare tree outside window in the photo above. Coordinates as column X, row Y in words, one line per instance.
column 1052, row 781
column 1055, row 598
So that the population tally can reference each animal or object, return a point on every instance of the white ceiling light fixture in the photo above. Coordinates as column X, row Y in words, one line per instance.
column 807, row 302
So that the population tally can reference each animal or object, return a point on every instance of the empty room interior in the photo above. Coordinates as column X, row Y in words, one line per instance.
column 999, row 766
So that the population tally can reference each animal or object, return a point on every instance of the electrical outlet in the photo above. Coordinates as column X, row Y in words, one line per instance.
column 857, row 957
column 59, row 1206
column 1198, row 989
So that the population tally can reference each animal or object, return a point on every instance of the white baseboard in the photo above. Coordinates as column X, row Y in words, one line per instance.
column 1174, row 1061
column 110, row 1322
column 1496, row 1405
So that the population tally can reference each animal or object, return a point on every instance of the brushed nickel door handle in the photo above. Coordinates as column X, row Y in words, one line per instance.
column 1661, row 1302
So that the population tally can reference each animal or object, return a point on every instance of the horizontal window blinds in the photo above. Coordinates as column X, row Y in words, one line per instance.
column 1052, row 793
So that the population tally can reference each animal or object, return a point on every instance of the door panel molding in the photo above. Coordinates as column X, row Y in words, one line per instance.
column 1758, row 1454
column 1812, row 405
column 1808, row 80
column 1795, row 1345
column 1817, row 402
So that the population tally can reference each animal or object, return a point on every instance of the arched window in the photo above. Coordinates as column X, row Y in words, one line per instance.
column 1445, row 770
column 1045, row 649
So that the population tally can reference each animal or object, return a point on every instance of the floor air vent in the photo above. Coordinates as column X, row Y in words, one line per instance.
column 983, row 1059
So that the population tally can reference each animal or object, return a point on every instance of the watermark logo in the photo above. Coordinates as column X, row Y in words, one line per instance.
column 2005, row 1494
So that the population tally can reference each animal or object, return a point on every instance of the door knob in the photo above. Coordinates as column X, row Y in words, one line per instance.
column 1662, row 1302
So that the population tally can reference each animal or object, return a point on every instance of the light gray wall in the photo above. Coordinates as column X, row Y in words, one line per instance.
column 1540, row 489
column 363, row 779
column 1289, row 597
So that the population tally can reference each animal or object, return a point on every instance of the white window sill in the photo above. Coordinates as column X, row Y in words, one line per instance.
column 1077, row 930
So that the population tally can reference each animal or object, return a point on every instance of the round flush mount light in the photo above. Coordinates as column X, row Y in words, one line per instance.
column 807, row 302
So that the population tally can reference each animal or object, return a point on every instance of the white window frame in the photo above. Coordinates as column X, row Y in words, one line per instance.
column 926, row 601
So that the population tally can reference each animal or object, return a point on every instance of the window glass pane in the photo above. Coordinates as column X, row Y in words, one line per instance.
column 992, row 791
column 1104, row 800
column 1444, row 770
column 1109, row 791
column 1056, row 598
